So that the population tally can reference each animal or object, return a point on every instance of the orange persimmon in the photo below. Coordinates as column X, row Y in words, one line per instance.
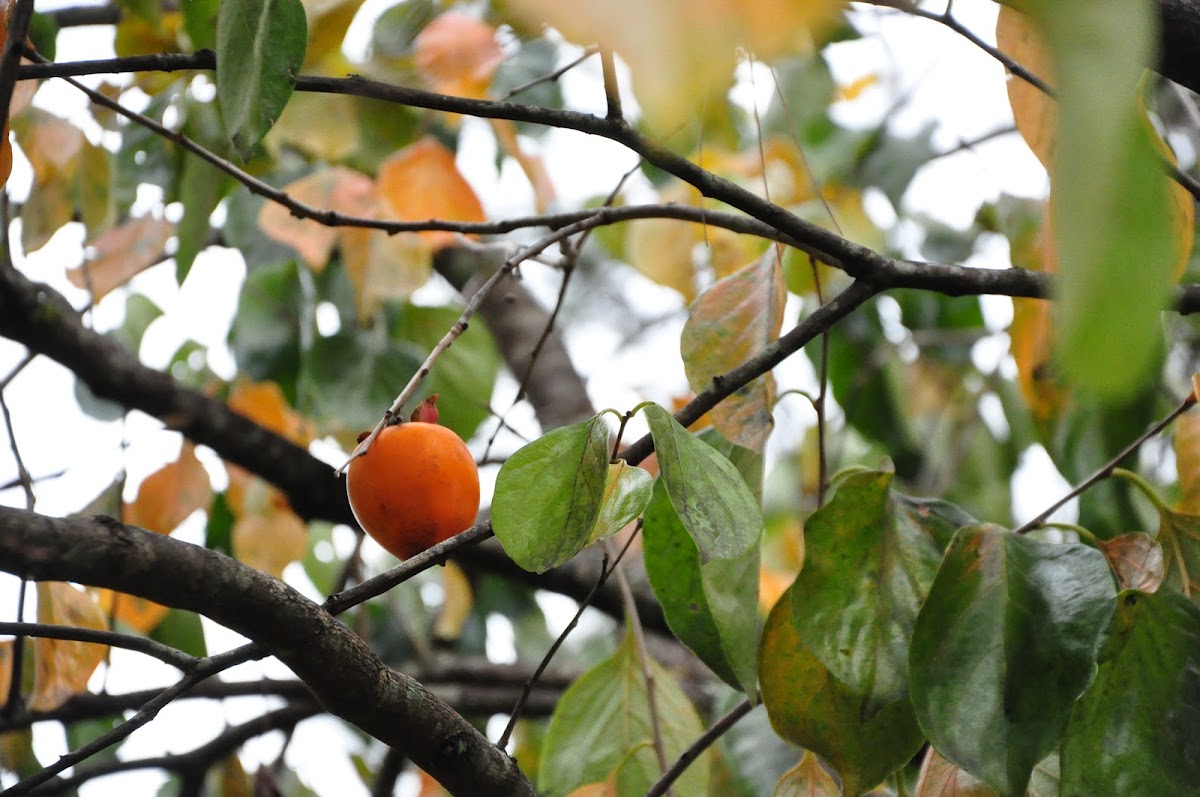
column 416, row 486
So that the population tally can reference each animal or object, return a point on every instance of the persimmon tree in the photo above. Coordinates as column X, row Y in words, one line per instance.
column 805, row 547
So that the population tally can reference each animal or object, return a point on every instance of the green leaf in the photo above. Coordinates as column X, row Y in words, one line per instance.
column 562, row 474
column 1133, row 733
column 181, row 630
column 626, row 492
column 260, row 48
column 1110, row 202
column 712, row 608
column 863, row 741
column 43, row 32
column 711, row 497
column 347, row 377
column 200, row 23
column 1179, row 536
column 604, row 717
column 1005, row 643
column 218, row 531
column 465, row 375
column 266, row 331
column 201, row 186
column 868, row 565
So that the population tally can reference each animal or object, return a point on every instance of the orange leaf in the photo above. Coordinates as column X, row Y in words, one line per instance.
column 1136, row 559
column 384, row 267
column 5, row 157
column 335, row 188
column 6, row 669
column 456, row 605
column 264, row 403
column 1034, row 112
column 457, row 54
column 51, row 144
column 940, row 778
column 728, row 324
column 421, row 182
column 121, row 254
column 134, row 612
column 172, row 493
column 535, row 170
column 63, row 667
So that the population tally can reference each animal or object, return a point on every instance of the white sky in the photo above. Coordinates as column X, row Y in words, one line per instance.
column 947, row 79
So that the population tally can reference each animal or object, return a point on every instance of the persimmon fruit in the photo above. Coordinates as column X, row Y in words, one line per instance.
column 416, row 486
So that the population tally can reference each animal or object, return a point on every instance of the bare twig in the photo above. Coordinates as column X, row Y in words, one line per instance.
column 1107, row 469
column 612, row 94
column 164, row 653
column 588, row 52
column 698, row 747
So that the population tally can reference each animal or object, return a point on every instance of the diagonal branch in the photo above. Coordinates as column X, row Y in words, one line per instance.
column 347, row 678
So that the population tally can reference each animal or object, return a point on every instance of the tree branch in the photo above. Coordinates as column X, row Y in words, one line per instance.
column 346, row 677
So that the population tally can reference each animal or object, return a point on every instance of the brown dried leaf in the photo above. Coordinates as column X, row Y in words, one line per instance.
column 171, row 494
column 728, row 324
column 1136, row 559
column 121, row 254
column 63, row 667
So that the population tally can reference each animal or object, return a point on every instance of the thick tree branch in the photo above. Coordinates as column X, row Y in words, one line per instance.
column 345, row 676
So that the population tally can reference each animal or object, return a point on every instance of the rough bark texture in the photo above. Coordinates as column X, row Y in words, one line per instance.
column 346, row 677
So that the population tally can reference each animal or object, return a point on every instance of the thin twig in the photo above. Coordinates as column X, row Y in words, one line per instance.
column 550, row 77
column 23, row 477
column 1107, row 469
column 605, row 571
column 10, row 59
column 150, row 647
column 13, row 703
column 698, row 747
column 639, row 643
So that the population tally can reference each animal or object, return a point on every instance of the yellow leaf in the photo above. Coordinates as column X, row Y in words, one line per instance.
column 265, row 404
column 328, row 21
column 335, row 188
column 1034, row 112
column 1032, row 334
column 121, row 254
column 807, row 779
column 940, row 778
column 682, row 53
column 604, row 788
column 854, row 89
column 661, row 249
column 535, row 170
column 422, row 182
column 270, row 541
column 171, row 494
column 63, row 667
column 456, row 605
column 332, row 143
column 6, row 669
column 728, row 324
column 51, row 144
column 457, row 54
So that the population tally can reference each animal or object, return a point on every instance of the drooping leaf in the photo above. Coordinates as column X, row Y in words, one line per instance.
column 711, row 608
column 266, row 332
column 131, row 611
column 200, row 23
column 335, row 188
column 603, row 720
column 868, row 566
column 1005, row 643
column 260, row 48
column 807, row 779
column 563, row 474
column 1187, row 461
column 64, row 666
column 328, row 21
column 1111, row 204
column 1147, row 695
column 709, row 495
column 265, row 404
column 727, row 325
column 811, row 708
column 201, row 186
column 172, row 493
column 270, row 540
column 1033, row 110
